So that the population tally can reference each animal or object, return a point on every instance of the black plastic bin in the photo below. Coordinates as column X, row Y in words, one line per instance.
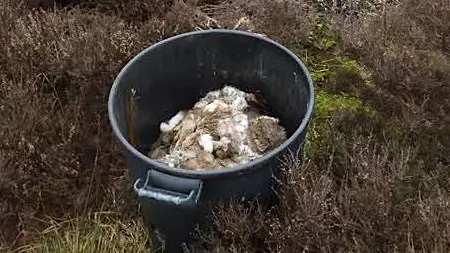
column 174, row 74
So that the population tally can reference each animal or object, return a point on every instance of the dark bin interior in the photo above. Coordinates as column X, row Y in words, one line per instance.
column 174, row 75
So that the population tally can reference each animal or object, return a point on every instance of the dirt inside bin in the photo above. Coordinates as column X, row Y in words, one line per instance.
column 226, row 128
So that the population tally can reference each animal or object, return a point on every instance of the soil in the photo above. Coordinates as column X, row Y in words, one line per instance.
column 226, row 128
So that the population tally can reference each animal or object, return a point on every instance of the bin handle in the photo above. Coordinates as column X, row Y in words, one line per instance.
column 162, row 195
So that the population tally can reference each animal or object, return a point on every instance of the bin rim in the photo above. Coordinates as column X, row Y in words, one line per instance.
column 203, row 174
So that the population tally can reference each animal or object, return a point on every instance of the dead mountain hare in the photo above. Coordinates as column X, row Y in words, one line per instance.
column 223, row 129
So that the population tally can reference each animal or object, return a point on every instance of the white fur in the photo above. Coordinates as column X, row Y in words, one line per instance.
column 172, row 123
column 206, row 141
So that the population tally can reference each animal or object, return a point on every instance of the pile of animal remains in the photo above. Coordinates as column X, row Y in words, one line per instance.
column 225, row 128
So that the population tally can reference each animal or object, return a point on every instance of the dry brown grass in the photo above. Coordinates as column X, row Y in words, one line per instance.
column 96, row 232
column 368, row 184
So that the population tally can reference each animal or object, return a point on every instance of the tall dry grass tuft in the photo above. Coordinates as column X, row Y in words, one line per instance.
column 96, row 232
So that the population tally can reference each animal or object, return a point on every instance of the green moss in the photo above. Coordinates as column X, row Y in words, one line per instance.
column 319, row 54
column 322, row 38
column 327, row 103
column 350, row 65
column 331, row 74
column 321, row 69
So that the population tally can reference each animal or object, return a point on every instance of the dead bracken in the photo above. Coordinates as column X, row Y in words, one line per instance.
column 225, row 128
